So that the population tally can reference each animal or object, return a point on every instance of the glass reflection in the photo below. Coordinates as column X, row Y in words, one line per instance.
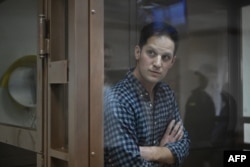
column 173, row 12
column 202, row 76
column 18, row 48
column 210, row 117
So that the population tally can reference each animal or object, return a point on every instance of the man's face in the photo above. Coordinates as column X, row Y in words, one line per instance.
column 154, row 59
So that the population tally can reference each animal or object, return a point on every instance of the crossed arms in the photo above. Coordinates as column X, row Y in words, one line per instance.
column 121, row 140
column 160, row 153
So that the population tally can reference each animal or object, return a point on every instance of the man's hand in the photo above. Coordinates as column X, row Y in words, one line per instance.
column 174, row 132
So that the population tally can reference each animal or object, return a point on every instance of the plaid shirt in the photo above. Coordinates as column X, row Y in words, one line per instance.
column 131, row 120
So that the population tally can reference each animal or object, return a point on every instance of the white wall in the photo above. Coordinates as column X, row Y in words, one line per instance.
column 18, row 37
column 245, row 60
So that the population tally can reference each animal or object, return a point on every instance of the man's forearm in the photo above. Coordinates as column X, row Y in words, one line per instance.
column 162, row 154
column 157, row 153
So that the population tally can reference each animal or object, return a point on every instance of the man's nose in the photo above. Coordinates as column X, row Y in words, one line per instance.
column 157, row 61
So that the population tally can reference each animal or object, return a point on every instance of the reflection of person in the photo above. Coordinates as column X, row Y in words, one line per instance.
column 142, row 120
column 225, row 122
column 107, row 64
column 200, row 111
column 215, row 110
column 223, row 136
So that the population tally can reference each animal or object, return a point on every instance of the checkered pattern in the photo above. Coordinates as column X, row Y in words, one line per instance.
column 132, row 121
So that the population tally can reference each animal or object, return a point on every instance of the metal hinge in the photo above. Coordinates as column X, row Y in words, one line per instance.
column 43, row 36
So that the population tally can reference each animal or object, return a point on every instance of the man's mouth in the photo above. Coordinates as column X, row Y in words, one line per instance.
column 155, row 72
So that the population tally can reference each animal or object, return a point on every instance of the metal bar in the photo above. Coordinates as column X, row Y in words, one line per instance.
column 42, row 35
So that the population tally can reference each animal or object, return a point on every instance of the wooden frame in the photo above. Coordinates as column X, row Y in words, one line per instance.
column 70, row 82
column 78, row 83
column 75, row 103
column 96, row 78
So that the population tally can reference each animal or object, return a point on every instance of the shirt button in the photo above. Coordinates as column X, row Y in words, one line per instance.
column 154, row 142
column 155, row 123
column 150, row 105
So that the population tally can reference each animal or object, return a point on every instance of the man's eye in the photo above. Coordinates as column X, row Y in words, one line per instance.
column 166, row 57
column 151, row 53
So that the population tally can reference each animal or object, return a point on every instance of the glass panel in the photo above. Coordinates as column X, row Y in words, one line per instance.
column 245, row 60
column 117, row 39
column 203, row 76
column 18, row 49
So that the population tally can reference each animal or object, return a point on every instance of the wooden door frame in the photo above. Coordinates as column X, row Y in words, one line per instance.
column 83, row 60
column 86, row 70
column 84, row 66
column 96, row 78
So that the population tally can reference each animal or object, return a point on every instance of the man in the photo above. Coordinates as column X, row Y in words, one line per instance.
column 142, row 120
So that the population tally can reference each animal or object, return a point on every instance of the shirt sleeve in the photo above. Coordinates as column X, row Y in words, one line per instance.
column 179, row 149
column 121, row 143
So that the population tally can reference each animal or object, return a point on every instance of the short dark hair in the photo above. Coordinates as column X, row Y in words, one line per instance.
column 159, row 29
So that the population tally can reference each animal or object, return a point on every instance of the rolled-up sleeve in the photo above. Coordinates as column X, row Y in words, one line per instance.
column 179, row 149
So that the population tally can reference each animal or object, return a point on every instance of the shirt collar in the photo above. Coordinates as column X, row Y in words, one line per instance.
column 141, row 91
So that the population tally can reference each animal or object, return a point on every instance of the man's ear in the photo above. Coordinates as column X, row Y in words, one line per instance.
column 137, row 52
column 173, row 61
